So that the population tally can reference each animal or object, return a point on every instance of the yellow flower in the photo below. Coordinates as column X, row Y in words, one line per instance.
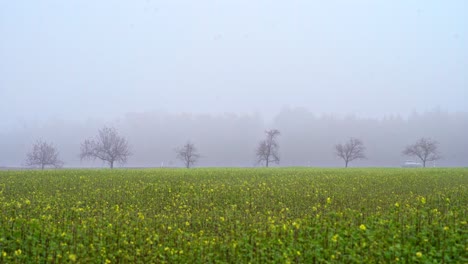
column 418, row 254
column 362, row 227
column 141, row 216
column 335, row 238
column 296, row 225
column 72, row 257
column 397, row 205
column 423, row 200
column 446, row 228
column 4, row 254
column 18, row 252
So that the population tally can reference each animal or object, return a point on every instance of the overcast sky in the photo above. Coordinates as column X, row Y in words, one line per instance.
column 84, row 58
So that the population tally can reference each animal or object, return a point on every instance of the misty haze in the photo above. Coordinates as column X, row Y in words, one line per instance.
column 220, row 73
column 230, row 140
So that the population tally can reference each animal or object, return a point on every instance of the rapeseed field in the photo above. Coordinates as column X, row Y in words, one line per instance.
column 227, row 215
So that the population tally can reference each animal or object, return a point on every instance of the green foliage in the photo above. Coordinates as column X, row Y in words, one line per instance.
column 287, row 215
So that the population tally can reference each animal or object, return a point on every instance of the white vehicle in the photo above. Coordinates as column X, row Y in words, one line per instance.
column 411, row 164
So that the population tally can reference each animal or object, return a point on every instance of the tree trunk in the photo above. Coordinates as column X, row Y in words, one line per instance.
column 346, row 164
column 266, row 163
column 111, row 164
column 424, row 164
column 42, row 166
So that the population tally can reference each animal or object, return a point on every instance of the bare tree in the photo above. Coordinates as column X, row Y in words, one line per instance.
column 188, row 154
column 268, row 149
column 425, row 149
column 351, row 150
column 108, row 146
column 43, row 154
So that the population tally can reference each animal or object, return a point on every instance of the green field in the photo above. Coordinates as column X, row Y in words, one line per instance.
column 282, row 215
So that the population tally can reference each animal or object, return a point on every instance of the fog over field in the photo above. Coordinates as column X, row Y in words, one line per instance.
column 230, row 140
column 218, row 73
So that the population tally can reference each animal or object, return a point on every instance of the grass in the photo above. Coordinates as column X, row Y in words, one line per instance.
column 225, row 215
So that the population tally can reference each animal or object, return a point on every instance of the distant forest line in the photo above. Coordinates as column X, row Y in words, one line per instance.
column 307, row 139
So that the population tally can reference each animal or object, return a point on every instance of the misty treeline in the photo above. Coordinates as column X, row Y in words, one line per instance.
column 307, row 139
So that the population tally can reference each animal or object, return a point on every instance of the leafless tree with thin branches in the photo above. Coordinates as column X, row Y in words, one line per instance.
column 425, row 149
column 188, row 154
column 108, row 146
column 351, row 150
column 268, row 149
column 43, row 154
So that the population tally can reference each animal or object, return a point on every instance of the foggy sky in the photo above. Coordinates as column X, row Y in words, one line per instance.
column 80, row 58
column 234, row 68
